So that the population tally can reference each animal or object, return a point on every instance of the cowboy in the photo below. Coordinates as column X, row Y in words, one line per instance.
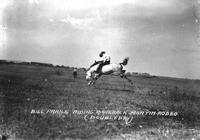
column 105, row 60
column 75, row 72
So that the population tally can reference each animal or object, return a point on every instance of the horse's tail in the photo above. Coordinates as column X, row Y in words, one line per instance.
column 125, row 61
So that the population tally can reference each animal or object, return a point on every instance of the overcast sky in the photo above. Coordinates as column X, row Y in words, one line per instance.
column 159, row 36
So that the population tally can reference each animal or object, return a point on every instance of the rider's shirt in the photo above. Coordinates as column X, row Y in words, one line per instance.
column 106, row 57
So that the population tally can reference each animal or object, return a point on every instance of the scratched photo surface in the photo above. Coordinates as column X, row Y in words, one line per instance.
column 150, row 89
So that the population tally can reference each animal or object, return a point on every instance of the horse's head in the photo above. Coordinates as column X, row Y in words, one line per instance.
column 88, row 75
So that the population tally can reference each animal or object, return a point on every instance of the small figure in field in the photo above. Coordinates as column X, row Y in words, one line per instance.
column 75, row 73
column 3, row 137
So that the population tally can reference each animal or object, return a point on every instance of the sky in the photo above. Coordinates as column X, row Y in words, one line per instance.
column 161, row 37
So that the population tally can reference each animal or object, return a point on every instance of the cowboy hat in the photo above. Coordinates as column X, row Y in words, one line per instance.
column 101, row 53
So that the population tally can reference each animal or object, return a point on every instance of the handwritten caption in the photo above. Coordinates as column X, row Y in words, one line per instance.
column 104, row 115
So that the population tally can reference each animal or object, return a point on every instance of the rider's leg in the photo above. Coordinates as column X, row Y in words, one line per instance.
column 101, row 65
column 95, row 63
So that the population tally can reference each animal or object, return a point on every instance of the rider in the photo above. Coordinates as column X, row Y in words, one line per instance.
column 105, row 60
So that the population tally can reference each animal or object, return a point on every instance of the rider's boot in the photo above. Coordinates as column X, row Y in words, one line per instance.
column 99, row 69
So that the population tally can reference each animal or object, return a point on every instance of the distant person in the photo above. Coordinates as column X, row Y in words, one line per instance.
column 3, row 137
column 104, row 60
column 75, row 73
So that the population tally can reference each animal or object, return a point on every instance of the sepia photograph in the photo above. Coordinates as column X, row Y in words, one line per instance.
column 99, row 69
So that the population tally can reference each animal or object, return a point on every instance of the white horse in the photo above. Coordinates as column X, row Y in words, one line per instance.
column 112, row 68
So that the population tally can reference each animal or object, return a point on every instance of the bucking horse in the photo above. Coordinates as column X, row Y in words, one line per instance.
column 113, row 68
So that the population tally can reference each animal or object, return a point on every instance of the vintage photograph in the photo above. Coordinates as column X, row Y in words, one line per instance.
column 99, row 69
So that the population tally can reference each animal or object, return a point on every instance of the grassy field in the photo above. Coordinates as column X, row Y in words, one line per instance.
column 38, row 102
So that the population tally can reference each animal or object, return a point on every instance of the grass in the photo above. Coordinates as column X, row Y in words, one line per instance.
column 27, row 87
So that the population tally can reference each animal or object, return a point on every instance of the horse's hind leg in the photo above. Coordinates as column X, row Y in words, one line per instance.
column 124, row 76
column 128, row 79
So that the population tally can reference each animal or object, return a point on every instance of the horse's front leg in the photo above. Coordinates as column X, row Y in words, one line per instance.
column 96, row 76
column 93, row 82
column 90, row 82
